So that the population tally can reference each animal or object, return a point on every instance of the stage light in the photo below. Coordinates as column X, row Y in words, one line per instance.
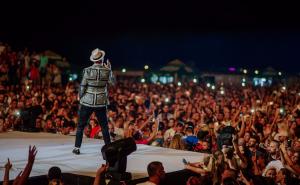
column 222, row 92
column 146, row 67
column 243, row 84
column 244, row 80
column 245, row 71
column 143, row 80
column 283, row 88
column 195, row 80
column 116, row 154
column 213, row 87
column 232, row 69
column 179, row 84
column 252, row 110
column 27, row 87
column 123, row 70
column 208, row 84
column 256, row 72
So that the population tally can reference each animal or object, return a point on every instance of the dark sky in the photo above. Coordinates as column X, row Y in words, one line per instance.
column 212, row 34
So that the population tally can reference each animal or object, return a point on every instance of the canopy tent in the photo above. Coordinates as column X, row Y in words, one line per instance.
column 176, row 66
column 177, row 69
column 57, row 59
column 269, row 71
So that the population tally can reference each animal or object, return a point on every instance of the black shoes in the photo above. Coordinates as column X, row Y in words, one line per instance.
column 76, row 151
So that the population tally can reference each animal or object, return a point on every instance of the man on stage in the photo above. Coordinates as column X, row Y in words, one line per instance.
column 93, row 96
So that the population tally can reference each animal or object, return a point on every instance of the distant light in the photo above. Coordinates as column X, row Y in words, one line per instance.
column 231, row 69
column 167, row 100
column 143, row 80
column 70, row 78
column 252, row 110
column 213, row 87
column 279, row 73
column 245, row 71
column 243, row 84
column 244, row 80
column 146, row 67
column 195, row 80
column 179, row 84
column 299, row 94
column 284, row 88
column 222, row 92
column 256, row 72
column 123, row 70
column 281, row 110
column 208, row 84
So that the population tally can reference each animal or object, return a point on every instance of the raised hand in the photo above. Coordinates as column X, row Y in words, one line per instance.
column 234, row 138
column 8, row 165
column 102, row 169
column 282, row 147
column 107, row 64
column 31, row 154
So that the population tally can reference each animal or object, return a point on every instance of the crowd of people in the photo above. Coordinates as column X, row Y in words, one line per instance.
column 250, row 132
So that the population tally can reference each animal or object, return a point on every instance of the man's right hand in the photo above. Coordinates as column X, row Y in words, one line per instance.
column 107, row 64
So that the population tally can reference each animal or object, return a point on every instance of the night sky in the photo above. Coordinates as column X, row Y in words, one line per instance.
column 209, row 35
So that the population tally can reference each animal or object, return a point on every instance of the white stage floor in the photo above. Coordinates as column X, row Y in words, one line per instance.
column 56, row 150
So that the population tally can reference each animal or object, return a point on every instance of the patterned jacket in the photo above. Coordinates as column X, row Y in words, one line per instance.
column 93, row 87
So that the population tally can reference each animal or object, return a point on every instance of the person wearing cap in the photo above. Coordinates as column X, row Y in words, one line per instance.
column 93, row 95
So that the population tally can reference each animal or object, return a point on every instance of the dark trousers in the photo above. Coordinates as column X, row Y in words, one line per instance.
column 84, row 115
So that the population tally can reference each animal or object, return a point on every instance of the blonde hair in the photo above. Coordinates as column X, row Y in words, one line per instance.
column 177, row 143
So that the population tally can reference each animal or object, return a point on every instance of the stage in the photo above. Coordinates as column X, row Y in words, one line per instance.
column 56, row 150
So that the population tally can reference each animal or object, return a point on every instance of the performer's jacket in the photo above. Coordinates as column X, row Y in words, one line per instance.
column 93, row 87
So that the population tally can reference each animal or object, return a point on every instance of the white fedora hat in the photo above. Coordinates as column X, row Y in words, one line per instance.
column 97, row 55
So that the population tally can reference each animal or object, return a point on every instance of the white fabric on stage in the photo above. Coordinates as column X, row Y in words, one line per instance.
column 56, row 150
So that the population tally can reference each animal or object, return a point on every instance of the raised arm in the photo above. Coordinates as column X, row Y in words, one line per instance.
column 234, row 122
column 99, row 173
column 145, row 122
column 154, row 132
column 111, row 80
column 31, row 157
column 7, row 167
column 242, row 131
column 238, row 152
column 288, row 161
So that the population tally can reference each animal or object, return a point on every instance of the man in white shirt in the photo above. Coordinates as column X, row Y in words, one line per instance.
column 156, row 173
